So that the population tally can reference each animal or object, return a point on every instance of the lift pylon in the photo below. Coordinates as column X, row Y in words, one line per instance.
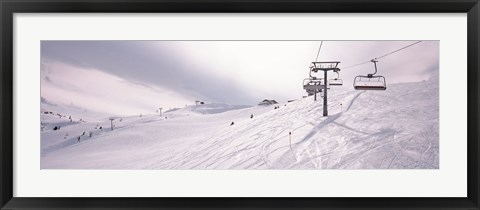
column 325, row 66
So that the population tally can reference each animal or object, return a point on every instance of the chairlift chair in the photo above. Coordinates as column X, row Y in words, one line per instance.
column 336, row 81
column 312, row 85
column 371, row 81
column 312, row 82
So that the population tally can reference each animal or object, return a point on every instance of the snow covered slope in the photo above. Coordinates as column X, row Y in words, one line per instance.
column 213, row 108
column 397, row 128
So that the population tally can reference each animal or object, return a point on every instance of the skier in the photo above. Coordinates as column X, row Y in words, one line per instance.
column 251, row 116
column 232, row 123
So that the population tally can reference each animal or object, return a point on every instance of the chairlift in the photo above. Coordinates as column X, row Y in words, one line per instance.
column 370, row 82
column 336, row 81
column 312, row 85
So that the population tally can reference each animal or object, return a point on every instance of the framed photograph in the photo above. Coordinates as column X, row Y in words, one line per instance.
column 239, row 105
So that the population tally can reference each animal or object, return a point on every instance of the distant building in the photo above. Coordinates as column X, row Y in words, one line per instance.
column 267, row 102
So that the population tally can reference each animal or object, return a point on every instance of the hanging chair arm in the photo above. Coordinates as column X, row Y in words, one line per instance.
column 374, row 61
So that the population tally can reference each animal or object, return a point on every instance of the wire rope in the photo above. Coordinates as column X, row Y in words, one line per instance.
column 385, row 55
column 318, row 53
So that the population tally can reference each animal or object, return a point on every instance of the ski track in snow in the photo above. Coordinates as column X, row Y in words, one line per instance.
column 397, row 129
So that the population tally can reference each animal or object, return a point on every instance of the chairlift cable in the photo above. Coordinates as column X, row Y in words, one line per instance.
column 318, row 53
column 398, row 50
column 356, row 65
column 385, row 55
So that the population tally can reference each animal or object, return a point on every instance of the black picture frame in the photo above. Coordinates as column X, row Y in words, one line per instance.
column 10, row 7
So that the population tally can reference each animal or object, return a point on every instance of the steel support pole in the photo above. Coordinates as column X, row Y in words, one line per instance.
column 325, row 111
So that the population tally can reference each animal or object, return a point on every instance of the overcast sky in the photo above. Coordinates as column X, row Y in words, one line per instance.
column 131, row 77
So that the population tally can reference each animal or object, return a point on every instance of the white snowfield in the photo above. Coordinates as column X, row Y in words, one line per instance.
column 393, row 129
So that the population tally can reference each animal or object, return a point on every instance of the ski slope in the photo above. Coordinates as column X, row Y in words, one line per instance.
column 393, row 129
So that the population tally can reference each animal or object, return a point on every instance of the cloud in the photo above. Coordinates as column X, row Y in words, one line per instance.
column 146, row 63
column 102, row 92
column 240, row 72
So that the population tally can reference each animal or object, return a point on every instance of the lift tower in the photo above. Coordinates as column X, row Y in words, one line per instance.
column 325, row 66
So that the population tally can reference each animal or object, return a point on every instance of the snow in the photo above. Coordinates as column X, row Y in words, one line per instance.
column 213, row 108
column 393, row 129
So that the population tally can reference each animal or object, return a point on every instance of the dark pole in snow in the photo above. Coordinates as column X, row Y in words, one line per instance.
column 325, row 67
column 325, row 111
column 290, row 136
